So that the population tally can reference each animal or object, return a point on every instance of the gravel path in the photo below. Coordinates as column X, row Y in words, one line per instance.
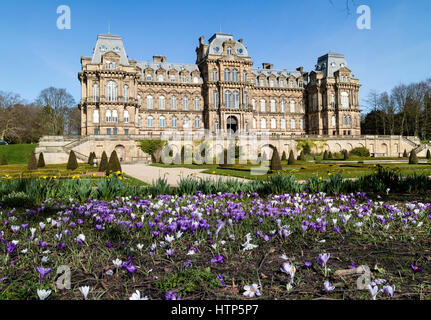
column 149, row 174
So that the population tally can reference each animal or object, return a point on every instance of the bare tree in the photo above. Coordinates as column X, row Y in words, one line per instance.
column 400, row 95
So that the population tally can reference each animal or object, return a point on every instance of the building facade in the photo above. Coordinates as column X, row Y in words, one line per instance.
column 221, row 92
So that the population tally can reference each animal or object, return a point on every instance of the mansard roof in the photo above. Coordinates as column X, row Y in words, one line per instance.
column 215, row 45
column 277, row 73
column 330, row 62
column 106, row 43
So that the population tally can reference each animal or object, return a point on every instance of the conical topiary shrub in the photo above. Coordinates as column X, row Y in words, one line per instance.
column 3, row 160
column 72, row 163
column 301, row 156
column 275, row 161
column 41, row 161
column 114, row 164
column 32, row 162
column 325, row 155
column 91, row 158
column 284, row 156
column 345, row 155
column 405, row 155
column 291, row 159
column 428, row 154
column 103, row 166
column 413, row 159
column 329, row 155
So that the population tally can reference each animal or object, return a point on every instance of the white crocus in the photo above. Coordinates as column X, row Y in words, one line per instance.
column 251, row 291
column 117, row 263
column 140, row 246
column 137, row 296
column 373, row 291
column 84, row 290
column 43, row 294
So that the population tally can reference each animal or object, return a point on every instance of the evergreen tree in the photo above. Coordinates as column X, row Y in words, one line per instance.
column 114, row 164
column 3, row 160
column 405, row 155
column 428, row 154
column 329, row 155
column 275, row 161
column 91, row 158
column 41, row 161
column 301, row 156
column 345, row 155
column 284, row 156
column 103, row 162
column 413, row 159
column 291, row 159
column 32, row 162
column 72, row 163
column 325, row 155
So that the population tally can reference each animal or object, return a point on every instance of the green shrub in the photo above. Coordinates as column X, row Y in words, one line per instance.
column 3, row 160
column 291, row 159
column 41, row 161
column 329, row 155
column 301, row 156
column 103, row 166
column 360, row 152
column 428, row 154
column 405, row 155
column 284, row 156
column 325, row 155
column 72, row 163
column 153, row 147
column 275, row 161
column 17, row 199
column 114, row 164
column 32, row 162
column 345, row 155
column 91, row 158
column 413, row 159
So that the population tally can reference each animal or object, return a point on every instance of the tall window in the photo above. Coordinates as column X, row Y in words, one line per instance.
column 281, row 83
column 292, row 124
column 273, row 123
column 185, row 103
column 173, row 102
column 126, row 116
column 186, row 122
column 149, row 77
column 334, row 121
column 229, row 51
column 150, row 122
column 184, row 78
column 226, row 75
column 272, row 104
column 244, row 76
column 161, row 102
column 283, row 123
column 253, row 104
column 261, row 82
column 263, row 123
column 246, row 126
column 314, row 101
column 292, row 106
column 114, row 65
column 160, row 77
column 215, row 75
column 291, row 84
column 111, row 91
column 197, row 122
column 301, row 106
column 345, row 99
column 235, row 99
column 216, row 127
column 149, row 102
column 254, row 123
column 246, row 100
column 108, row 116
column 235, row 75
column 114, row 116
column 162, row 122
column 301, row 124
column 215, row 96
column 174, row 122
column 172, row 78
column 96, row 116
column 195, row 79
column 283, row 106
column 262, row 105
column 139, row 100
column 197, row 104
column 139, row 122
column 227, row 99
column 126, row 93
column 271, row 83
column 95, row 92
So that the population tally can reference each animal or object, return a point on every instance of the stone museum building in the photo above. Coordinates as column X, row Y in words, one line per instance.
column 222, row 91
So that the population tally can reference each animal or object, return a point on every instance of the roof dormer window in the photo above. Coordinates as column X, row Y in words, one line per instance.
column 229, row 51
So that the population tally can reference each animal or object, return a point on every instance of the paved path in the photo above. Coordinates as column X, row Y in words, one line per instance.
column 173, row 175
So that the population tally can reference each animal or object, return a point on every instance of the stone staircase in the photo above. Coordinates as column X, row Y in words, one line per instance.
column 77, row 142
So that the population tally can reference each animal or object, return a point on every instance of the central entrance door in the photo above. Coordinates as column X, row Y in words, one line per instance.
column 232, row 124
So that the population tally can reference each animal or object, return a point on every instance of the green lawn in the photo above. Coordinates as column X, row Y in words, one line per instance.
column 17, row 153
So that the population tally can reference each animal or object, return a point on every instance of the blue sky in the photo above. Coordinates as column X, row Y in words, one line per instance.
column 34, row 54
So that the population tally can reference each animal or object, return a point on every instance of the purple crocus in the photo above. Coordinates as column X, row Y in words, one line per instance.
column 307, row 264
column 217, row 259
column 170, row 295
column 416, row 269
column 61, row 245
column 109, row 244
column 169, row 252
column 323, row 259
column 220, row 280
column 43, row 272
column 43, row 244
column 187, row 264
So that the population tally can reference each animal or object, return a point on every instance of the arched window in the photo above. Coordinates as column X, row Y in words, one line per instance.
column 229, row 51
column 216, row 127
column 263, row 123
column 301, row 106
column 271, row 83
column 96, row 116
column 292, row 106
column 108, row 116
column 149, row 102
column 253, row 104
column 174, row 122
column 184, row 78
column 236, row 99
column 283, row 106
column 126, row 93
column 227, row 99
column 215, row 97
column 95, row 92
column 186, row 122
column 349, row 120
column 281, row 83
column 114, row 116
column 172, row 78
column 283, row 123
column 173, row 102
column 235, row 75
column 111, row 91
column 149, row 77
column 334, row 121
column 150, row 122
column 139, row 100
column 262, row 105
column 272, row 105
column 246, row 100
column 273, row 123
column 254, row 123
column 215, row 75
column 126, row 116
column 291, row 84
column 314, row 101
column 160, row 77
column 244, row 76
column 197, row 122
column 185, row 103
column 161, row 102
column 197, row 104
column 246, row 126
column 261, row 82
column 114, row 65
column 345, row 99
column 162, row 122
column 293, row 124
column 195, row 79
column 226, row 75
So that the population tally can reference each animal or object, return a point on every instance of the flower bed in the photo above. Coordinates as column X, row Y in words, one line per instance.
column 221, row 246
